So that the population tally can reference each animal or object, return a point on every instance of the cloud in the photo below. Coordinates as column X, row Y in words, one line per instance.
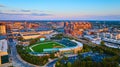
column 41, row 14
column 17, row 14
column 25, row 10
column 12, row 10
column 7, row 16
column 2, row 5
column 29, row 14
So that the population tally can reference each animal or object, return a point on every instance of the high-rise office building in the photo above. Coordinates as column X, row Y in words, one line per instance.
column 76, row 28
column 2, row 28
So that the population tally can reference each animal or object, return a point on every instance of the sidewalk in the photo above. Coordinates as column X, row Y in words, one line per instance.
column 6, row 65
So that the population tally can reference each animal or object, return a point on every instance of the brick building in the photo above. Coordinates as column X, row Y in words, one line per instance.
column 76, row 28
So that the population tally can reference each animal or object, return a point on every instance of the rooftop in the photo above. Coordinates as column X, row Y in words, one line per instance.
column 2, row 37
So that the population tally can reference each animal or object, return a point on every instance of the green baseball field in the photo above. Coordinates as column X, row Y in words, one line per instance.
column 44, row 45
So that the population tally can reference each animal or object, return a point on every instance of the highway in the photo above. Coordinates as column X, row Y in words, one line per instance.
column 15, row 57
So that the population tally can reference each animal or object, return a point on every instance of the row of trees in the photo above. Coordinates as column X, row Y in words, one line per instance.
column 112, row 61
column 86, row 48
column 94, row 64
column 60, row 36
column 37, row 60
column 33, row 41
column 20, row 39
column 86, row 62
column 59, row 63
column 30, row 58
column 57, row 37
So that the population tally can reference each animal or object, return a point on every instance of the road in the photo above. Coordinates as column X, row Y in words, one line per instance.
column 71, row 58
column 15, row 57
column 51, row 64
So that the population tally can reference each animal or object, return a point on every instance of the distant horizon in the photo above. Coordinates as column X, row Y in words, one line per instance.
column 60, row 10
column 59, row 20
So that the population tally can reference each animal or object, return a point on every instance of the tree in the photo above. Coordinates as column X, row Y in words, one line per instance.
column 79, row 56
column 10, row 66
column 31, row 58
column 88, row 58
column 65, row 58
column 32, row 42
column 101, row 51
column 57, row 64
column 52, row 55
column 69, row 64
column 57, row 36
column 102, row 43
column 20, row 39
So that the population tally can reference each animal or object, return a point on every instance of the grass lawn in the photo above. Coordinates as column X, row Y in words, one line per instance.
column 40, row 46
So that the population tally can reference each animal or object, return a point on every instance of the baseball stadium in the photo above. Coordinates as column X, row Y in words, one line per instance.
column 62, row 46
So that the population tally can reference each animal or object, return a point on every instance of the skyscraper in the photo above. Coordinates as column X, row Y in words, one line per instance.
column 2, row 29
column 76, row 28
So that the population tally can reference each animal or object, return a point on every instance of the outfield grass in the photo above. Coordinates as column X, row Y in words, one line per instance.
column 40, row 46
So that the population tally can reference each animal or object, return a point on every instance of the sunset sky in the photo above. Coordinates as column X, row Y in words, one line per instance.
column 59, row 9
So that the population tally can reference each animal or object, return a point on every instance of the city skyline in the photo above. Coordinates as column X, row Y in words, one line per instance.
column 60, row 10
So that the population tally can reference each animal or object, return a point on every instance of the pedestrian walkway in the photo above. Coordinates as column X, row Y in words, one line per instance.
column 6, row 65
